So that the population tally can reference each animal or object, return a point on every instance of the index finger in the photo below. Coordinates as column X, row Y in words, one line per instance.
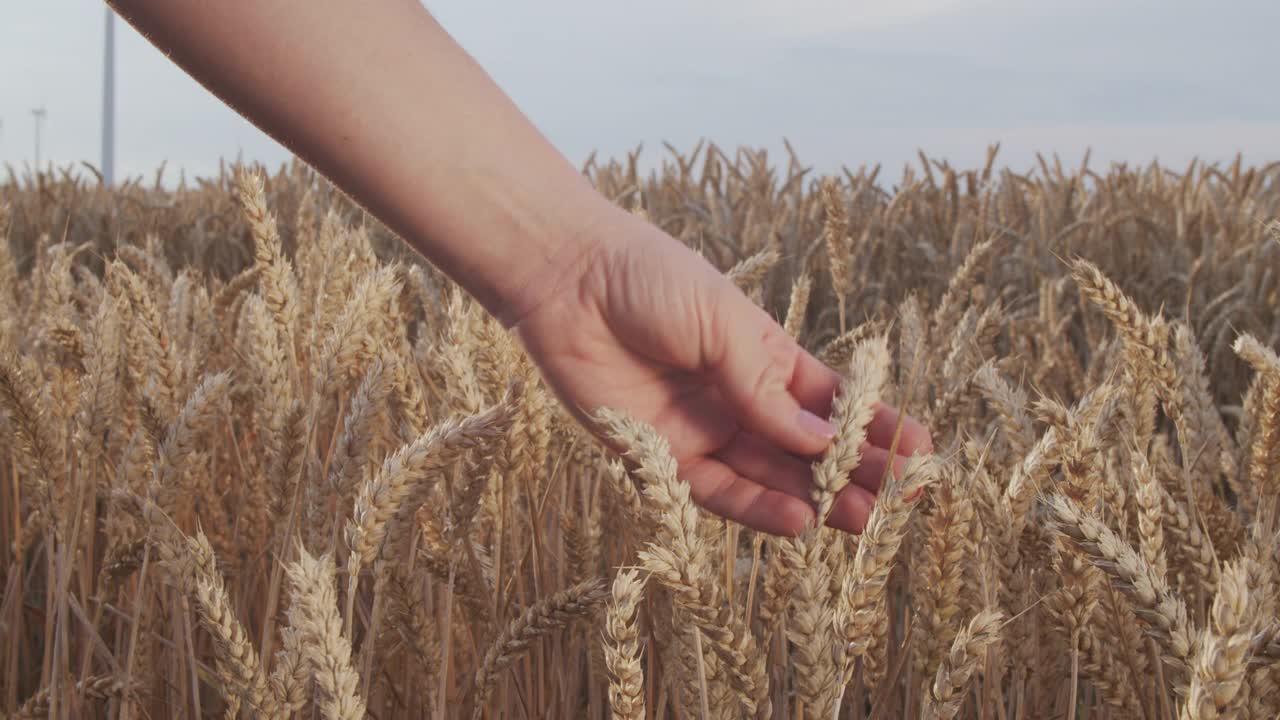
column 915, row 436
column 814, row 385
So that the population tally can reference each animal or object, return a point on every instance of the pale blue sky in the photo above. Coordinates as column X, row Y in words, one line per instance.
column 848, row 82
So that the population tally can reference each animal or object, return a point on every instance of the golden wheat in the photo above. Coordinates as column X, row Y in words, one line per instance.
column 257, row 459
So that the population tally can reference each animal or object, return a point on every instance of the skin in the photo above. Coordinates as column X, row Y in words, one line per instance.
column 615, row 312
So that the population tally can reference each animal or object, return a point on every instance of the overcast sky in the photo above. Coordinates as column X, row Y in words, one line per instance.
column 847, row 81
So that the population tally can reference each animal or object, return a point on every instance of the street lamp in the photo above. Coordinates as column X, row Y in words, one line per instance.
column 109, row 100
column 39, row 114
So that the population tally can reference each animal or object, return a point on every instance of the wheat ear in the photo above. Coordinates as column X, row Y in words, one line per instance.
column 968, row 651
column 622, row 647
column 543, row 617
column 313, row 614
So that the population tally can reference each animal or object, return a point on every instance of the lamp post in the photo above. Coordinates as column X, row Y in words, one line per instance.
column 39, row 115
column 109, row 100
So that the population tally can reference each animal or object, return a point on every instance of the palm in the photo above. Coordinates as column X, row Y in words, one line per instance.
column 653, row 330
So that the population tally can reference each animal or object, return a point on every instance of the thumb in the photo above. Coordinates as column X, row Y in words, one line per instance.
column 756, row 366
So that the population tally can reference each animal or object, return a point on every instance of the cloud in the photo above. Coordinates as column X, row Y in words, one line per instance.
column 846, row 81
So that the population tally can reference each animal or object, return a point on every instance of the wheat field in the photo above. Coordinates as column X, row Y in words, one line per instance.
column 259, row 460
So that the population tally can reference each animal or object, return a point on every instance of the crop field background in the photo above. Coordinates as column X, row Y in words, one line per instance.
column 259, row 460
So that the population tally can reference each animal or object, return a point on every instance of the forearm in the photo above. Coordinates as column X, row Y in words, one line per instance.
column 378, row 97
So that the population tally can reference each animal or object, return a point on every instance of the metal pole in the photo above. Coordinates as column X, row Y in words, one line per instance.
column 109, row 101
column 38, row 114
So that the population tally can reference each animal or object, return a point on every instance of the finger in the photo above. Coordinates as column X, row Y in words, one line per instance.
column 870, row 472
column 695, row 420
column 756, row 461
column 753, row 362
column 915, row 439
column 760, row 462
column 814, row 385
column 851, row 509
column 716, row 487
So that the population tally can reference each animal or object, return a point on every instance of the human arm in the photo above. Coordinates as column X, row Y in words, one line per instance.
column 381, row 100
column 377, row 97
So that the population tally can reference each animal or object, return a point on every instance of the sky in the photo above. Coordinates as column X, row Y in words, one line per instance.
column 847, row 82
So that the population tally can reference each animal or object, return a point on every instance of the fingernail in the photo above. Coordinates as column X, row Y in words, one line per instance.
column 815, row 425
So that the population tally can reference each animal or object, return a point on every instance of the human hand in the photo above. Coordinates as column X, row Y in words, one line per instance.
column 644, row 325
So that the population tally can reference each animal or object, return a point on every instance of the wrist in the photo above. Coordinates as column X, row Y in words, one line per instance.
column 585, row 228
